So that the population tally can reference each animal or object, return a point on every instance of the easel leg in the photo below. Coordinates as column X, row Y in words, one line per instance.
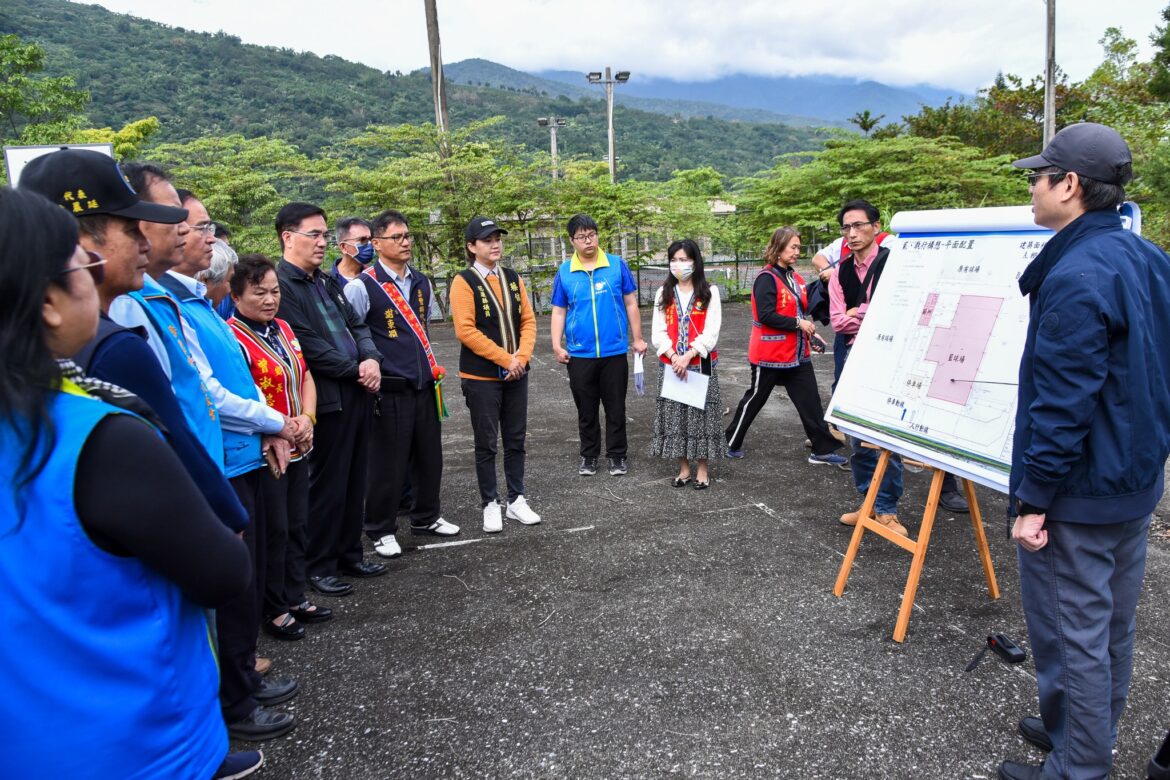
column 866, row 511
column 920, row 546
column 981, row 540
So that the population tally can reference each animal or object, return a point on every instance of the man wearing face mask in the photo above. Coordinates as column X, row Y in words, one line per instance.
column 353, row 239
column 497, row 329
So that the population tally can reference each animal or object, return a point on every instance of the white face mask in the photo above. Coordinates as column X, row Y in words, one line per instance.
column 682, row 269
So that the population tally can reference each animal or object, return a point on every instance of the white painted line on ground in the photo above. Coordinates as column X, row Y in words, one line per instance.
column 448, row 544
column 488, row 539
column 727, row 509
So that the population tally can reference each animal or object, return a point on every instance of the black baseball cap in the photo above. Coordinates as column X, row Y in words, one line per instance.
column 1089, row 149
column 481, row 227
column 85, row 182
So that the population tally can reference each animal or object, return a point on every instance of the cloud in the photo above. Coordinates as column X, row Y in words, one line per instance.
column 901, row 42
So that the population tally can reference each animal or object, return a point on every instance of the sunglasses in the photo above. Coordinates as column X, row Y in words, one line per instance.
column 95, row 266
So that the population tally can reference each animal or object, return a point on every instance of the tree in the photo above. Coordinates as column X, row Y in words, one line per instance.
column 894, row 174
column 35, row 109
column 866, row 121
column 1160, row 78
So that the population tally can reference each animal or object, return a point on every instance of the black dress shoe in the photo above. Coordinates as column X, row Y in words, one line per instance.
column 289, row 629
column 330, row 586
column 262, row 724
column 275, row 691
column 953, row 501
column 1033, row 731
column 1012, row 770
column 308, row 612
column 363, row 569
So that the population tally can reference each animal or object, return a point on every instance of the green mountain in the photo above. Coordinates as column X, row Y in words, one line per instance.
column 200, row 83
column 485, row 73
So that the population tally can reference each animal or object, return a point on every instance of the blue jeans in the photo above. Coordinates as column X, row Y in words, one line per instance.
column 1080, row 593
column 863, row 463
column 840, row 353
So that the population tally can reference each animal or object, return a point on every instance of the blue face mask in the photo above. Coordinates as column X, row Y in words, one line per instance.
column 365, row 253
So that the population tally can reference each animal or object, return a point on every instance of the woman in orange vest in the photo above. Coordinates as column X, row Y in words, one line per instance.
column 685, row 330
column 783, row 337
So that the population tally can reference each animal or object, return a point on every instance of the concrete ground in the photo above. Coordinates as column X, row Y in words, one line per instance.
column 646, row 631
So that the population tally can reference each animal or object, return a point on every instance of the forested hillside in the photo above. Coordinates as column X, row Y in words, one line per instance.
column 199, row 84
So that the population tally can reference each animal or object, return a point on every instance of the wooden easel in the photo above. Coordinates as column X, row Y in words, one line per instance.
column 867, row 522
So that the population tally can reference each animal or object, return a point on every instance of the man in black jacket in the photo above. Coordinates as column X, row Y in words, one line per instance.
column 345, row 367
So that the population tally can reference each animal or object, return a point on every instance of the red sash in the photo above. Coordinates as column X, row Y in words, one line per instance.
column 400, row 303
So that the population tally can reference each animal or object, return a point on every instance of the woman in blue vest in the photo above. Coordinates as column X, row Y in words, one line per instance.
column 685, row 330
column 108, row 661
column 779, row 351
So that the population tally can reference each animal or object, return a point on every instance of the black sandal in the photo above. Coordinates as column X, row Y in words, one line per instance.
column 702, row 485
column 681, row 482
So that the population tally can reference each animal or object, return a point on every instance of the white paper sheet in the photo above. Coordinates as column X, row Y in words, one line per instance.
column 692, row 391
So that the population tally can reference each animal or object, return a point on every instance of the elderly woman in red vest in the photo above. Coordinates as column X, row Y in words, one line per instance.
column 275, row 359
column 685, row 330
column 782, row 339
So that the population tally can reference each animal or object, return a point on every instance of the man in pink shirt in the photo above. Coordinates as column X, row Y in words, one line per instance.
column 851, row 289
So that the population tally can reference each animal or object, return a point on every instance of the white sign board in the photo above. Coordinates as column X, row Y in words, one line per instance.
column 16, row 157
column 934, row 371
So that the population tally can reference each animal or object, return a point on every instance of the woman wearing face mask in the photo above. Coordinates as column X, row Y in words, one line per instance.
column 783, row 336
column 109, row 664
column 686, row 323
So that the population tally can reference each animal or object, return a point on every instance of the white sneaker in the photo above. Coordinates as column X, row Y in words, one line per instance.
column 492, row 522
column 519, row 510
column 388, row 547
column 438, row 528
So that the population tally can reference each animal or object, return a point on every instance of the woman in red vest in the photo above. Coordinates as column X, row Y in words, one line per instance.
column 275, row 359
column 783, row 337
column 687, row 316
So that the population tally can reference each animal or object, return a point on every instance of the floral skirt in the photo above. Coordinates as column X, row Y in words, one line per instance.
column 682, row 431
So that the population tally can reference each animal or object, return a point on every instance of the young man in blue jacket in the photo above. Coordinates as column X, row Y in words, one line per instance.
column 595, row 308
column 1091, row 440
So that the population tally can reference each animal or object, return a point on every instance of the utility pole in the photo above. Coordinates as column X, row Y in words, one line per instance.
column 1050, row 76
column 552, row 123
column 438, row 82
column 621, row 77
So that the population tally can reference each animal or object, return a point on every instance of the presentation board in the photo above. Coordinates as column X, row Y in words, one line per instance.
column 934, row 371
column 16, row 157
column 935, row 368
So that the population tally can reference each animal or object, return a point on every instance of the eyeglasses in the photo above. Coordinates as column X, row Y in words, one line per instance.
column 206, row 228
column 95, row 266
column 585, row 238
column 854, row 226
column 315, row 235
column 1035, row 176
column 359, row 241
column 397, row 238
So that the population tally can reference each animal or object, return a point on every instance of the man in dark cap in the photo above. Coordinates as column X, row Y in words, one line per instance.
column 1091, row 440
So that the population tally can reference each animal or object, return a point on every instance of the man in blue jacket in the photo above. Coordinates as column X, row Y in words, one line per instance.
column 1091, row 440
column 595, row 308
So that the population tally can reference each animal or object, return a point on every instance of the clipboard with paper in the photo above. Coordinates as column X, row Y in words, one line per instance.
column 692, row 390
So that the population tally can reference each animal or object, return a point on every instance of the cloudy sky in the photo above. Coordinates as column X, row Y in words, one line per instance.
column 903, row 42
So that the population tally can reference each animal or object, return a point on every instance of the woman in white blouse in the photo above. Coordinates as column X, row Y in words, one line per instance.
column 687, row 316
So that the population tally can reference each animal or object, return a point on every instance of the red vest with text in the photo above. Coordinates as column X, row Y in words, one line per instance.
column 695, row 325
column 771, row 348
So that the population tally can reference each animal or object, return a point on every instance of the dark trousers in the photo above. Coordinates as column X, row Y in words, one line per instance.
column 286, row 501
column 841, row 348
column 238, row 623
column 337, row 483
column 407, row 435
column 801, row 384
column 1080, row 595
column 604, row 381
column 498, row 409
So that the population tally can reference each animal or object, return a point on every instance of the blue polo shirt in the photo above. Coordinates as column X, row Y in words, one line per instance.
column 596, row 323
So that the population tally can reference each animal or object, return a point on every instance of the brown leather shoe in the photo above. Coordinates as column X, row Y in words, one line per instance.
column 263, row 665
column 850, row 518
column 891, row 522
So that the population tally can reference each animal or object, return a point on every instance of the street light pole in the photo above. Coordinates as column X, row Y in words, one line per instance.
column 621, row 77
column 552, row 123
column 1050, row 74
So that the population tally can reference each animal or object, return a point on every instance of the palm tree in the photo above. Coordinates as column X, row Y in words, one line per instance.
column 866, row 121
